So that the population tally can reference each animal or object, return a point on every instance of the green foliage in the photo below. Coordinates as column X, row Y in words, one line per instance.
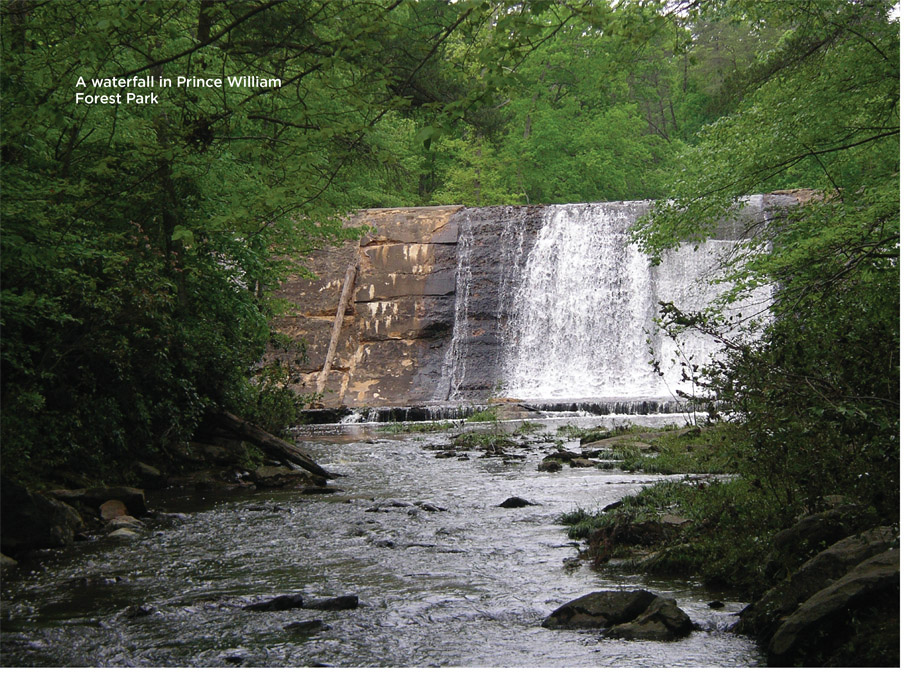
column 490, row 442
column 817, row 382
column 727, row 542
column 141, row 243
column 415, row 427
column 489, row 414
column 527, row 428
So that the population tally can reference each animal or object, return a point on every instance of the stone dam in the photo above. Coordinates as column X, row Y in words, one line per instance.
column 453, row 305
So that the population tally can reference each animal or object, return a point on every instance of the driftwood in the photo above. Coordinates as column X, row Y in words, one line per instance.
column 271, row 445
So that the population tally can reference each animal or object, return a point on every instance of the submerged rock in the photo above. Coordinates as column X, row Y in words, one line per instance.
column 277, row 604
column 334, row 604
column 298, row 601
column 515, row 503
column 306, row 628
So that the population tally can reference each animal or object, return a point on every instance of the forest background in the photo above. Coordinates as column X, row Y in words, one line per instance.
column 141, row 243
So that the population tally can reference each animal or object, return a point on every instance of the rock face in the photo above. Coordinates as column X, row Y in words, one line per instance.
column 762, row 618
column 397, row 330
column 840, row 607
column 634, row 615
column 872, row 582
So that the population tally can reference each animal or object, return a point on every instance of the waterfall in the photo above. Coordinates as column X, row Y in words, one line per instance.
column 583, row 309
column 556, row 303
column 456, row 359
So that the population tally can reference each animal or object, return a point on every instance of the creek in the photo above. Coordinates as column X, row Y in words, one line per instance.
column 465, row 585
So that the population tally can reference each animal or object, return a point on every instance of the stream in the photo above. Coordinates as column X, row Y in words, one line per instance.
column 444, row 576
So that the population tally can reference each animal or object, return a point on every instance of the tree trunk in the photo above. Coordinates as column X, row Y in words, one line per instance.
column 272, row 446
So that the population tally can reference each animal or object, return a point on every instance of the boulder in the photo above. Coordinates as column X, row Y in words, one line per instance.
column 763, row 617
column 874, row 581
column 515, row 503
column 123, row 533
column 133, row 498
column 149, row 476
column 550, row 465
column 306, row 628
column 6, row 561
column 112, row 508
column 600, row 609
column 30, row 520
column 816, row 532
column 662, row 620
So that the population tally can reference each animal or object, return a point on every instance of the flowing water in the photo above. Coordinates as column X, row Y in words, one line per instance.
column 468, row 585
column 574, row 305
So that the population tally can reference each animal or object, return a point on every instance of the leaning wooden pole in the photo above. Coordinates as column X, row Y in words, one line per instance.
column 348, row 283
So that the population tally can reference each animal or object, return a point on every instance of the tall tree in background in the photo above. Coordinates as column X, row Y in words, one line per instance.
column 819, row 387
column 139, row 242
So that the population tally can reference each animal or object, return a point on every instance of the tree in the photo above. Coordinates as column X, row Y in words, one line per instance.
column 140, row 241
column 818, row 383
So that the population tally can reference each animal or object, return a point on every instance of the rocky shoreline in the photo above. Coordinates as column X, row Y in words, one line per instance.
column 229, row 455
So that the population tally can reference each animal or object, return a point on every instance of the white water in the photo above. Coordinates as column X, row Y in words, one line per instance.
column 584, row 311
column 576, row 306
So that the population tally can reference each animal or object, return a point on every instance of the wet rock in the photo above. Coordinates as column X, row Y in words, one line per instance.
column 277, row 604
column 581, row 463
column 661, row 620
column 515, row 503
column 600, row 609
column 138, row 611
column 873, row 582
column 563, row 456
column 112, row 508
column 716, row 604
column 149, row 476
column 320, row 490
column 298, row 601
column 550, row 465
column 335, row 604
column 133, row 498
column 236, row 656
column 125, row 521
column 123, row 533
column 278, row 476
column 306, row 628
column 6, row 561
column 431, row 508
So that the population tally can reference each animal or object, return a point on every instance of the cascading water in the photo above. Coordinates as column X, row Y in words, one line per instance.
column 556, row 303
column 582, row 309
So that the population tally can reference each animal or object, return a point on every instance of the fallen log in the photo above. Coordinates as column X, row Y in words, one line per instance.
column 271, row 445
